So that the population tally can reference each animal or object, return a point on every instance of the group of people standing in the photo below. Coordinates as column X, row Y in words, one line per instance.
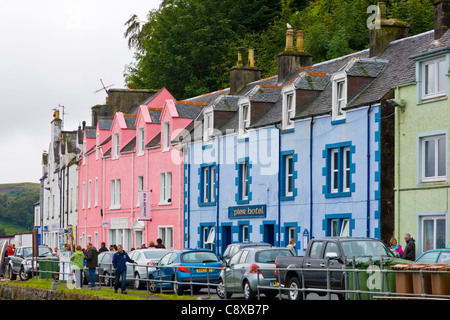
column 410, row 249
column 90, row 256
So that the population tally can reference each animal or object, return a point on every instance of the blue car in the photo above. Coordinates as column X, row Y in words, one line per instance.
column 435, row 256
column 179, row 269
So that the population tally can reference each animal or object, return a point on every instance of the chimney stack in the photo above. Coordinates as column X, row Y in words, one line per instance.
column 292, row 59
column 241, row 74
column 441, row 17
column 387, row 31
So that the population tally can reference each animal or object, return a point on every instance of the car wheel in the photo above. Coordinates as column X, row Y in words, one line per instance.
column 152, row 287
column 249, row 294
column 177, row 288
column 106, row 279
column 220, row 290
column 293, row 294
column 137, row 282
column 23, row 275
column 12, row 275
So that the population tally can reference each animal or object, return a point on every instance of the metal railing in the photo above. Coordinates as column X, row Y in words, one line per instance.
column 378, row 276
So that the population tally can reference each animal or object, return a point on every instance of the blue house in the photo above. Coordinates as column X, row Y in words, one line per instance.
column 304, row 154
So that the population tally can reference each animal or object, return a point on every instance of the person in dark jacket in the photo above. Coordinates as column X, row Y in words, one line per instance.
column 159, row 244
column 103, row 248
column 120, row 260
column 410, row 250
column 91, row 262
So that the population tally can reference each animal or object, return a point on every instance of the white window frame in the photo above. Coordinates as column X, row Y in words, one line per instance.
column 244, row 181
column 289, row 176
column 338, row 102
column 334, row 154
column 423, row 141
column 289, row 107
column 83, row 192
column 140, row 187
column 244, row 117
column 208, row 125
column 435, row 93
column 115, row 146
column 166, row 136
column 431, row 217
column 89, row 193
column 141, row 141
column 96, row 192
column 245, row 233
column 346, row 169
column 115, row 194
column 165, row 188
column 166, row 235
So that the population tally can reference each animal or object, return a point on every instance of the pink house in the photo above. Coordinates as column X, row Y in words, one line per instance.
column 128, row 153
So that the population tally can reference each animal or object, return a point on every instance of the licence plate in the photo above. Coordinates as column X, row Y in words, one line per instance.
column 274, row 283
column 204, row 270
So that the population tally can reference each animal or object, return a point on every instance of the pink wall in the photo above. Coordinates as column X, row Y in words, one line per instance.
column 167, row 217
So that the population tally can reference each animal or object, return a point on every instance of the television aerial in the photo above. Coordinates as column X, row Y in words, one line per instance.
column 104, row 88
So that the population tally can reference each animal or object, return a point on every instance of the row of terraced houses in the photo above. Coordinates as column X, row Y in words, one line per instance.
column 355, row 146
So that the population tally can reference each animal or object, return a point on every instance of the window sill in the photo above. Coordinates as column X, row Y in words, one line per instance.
column 207, row 204
column 432, row 99
column 243, row 201
column 114, row 207
column 338, row 194
column 164, row 203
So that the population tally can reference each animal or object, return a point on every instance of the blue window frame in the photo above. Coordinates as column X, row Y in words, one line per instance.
column 288, row 175
column 338, row 225
column 243, row 181
column 339, row 169
column 207, row 185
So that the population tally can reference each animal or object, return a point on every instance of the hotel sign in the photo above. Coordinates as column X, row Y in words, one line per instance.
column 246, row 212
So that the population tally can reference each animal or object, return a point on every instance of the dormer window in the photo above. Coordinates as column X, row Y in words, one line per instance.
column 208, row 126
column 116, row 146
column 244, row 119
column 339, row 92
column 434, row 78
column 141, row 141
column 288, row 109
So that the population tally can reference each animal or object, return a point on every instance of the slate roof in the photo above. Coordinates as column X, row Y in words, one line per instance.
column 105, row 123
column 129, row 147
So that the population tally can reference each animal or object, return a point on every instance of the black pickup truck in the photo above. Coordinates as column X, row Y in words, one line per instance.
column 320, row 252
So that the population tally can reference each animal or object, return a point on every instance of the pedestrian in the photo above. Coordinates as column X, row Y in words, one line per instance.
column 120, row 260
column 91, row 262
column 143, row 246
column 77, row 260
column 291, row 246
column 396, row 247
column 159, row 244
column 103, row 248
column 151, row 244
column 56, row 252
column 10, row 251
column 410, row 250
column 111, row 248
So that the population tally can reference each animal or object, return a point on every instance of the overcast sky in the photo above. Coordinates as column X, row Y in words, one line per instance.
column 54, row 52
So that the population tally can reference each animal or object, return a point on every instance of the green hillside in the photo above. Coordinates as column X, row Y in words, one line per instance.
column 17, row 207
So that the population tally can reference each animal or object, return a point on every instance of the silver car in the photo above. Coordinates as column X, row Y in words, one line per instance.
column 249, row 268
column 146, row 259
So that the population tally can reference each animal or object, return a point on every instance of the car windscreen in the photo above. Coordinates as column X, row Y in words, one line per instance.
column 155, row 254
column 43, row 252
column 198, row 257
column 269, row 256
column 365, row 248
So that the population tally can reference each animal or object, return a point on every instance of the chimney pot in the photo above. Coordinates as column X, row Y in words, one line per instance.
column 441, row 17
column 300, row 37
column 241, row 51
column 251, row 57
column 289, row 40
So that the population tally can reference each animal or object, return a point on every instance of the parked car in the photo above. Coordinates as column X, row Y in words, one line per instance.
column 232, row 248
column 177, row 268
column 249, row 268
column 435, row 256
column 21, row 262
column 145, row 259
column 296, row 272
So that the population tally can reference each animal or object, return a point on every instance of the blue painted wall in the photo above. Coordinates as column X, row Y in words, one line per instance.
column 264, row 153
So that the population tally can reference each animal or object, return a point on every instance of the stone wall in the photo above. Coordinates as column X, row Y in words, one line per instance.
column 11, row 292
